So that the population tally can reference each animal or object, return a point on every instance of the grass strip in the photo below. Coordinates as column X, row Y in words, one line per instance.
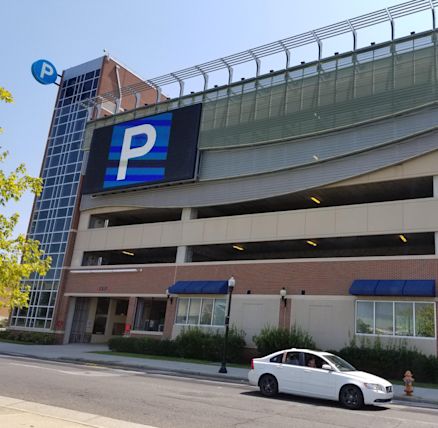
column 167, row 358
column 19, row 342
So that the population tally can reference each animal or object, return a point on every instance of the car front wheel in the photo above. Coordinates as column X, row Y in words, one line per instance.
column 268, row 385
column 351, row 397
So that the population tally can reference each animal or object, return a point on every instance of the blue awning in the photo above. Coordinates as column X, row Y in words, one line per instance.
column 419, row 287
column 199, row 287
column 393, row 287
column 364, row 287
column 390, row 288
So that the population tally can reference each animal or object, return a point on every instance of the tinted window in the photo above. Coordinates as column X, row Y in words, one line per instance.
column 314, row 361
column 339, row 363
column 277, row 359
column 293, row 358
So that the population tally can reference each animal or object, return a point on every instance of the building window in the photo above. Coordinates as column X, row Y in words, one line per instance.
column 194, row 311
column 200, row 311
column 122, row 307
column 150, row 314
column 181, row 313
column 384, row 323
column 401, row 319
column 404, row 319
column 101, row 315
column 206, row 311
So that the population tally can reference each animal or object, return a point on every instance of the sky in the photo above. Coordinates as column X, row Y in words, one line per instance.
column 151, row 38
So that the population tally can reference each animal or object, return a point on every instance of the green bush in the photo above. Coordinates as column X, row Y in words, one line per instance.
column 391, row 361
column 29, row 337
column 142, row 345
column 272, row 339
column 195, row 342
column 191, row 343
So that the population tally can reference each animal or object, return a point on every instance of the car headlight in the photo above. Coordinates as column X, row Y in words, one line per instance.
column 375, row 386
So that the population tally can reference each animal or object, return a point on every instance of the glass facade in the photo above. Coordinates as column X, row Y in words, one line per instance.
column 150, row 314
column 389, row 318
column 201, row 311
column 53, row 209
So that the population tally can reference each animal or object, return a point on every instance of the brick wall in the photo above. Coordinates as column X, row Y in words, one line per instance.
column 315, row 277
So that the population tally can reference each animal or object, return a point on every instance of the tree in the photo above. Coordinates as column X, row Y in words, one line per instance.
column 19, row 256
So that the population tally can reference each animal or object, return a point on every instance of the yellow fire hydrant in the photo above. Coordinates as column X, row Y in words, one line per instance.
column 409, row 383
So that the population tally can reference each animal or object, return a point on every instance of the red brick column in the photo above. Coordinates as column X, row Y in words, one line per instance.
column 170, row 318
column 59, row 324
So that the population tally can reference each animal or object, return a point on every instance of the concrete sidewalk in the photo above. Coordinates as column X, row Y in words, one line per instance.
column 26, row 414
column 85, row 353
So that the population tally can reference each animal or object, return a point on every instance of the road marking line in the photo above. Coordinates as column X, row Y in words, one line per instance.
column 73, row 373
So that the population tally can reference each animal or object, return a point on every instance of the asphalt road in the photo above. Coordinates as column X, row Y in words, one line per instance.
column 168, row 401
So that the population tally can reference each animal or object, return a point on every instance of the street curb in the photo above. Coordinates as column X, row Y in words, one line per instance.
column 414, row 401
column 181, row 372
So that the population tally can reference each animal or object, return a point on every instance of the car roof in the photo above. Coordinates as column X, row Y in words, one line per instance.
column 311, row 351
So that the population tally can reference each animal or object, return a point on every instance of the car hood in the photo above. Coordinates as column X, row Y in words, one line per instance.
column 367, row 377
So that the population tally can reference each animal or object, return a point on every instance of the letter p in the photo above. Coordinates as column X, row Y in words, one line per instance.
column 136, row 152
column 46, row 70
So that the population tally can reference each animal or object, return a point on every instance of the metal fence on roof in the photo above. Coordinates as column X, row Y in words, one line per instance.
column 340, row 91
column 389, row 15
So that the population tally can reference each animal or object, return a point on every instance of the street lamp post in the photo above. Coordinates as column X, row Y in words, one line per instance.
column 231, row 284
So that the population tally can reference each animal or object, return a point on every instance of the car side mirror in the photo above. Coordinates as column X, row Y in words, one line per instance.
column 327, row 367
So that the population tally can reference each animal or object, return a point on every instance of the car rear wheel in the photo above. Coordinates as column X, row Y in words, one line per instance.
column 351, row 397
column 268, row 385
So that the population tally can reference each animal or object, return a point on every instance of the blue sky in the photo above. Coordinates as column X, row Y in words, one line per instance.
column 151, row 38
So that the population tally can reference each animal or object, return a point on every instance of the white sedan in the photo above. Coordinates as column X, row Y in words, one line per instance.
column 320, row 375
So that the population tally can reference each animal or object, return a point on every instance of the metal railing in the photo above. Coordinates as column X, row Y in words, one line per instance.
column 317, row 36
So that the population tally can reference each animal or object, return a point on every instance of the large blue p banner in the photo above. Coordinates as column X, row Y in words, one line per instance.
column 133, row 143
column 145, row 151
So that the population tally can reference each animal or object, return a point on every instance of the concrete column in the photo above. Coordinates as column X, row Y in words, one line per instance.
column 129, row 323
column 189, row 214
column 189, row 254
column 69, row 319
column 436, row 243
column 181, row 252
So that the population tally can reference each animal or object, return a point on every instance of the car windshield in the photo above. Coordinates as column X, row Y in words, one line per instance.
column 339, row 363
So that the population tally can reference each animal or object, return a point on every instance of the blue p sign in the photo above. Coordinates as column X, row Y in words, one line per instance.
column 138, row 151
column 44, row 71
